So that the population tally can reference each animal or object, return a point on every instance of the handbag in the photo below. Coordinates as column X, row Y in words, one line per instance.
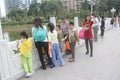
column 67, row 45
column 81, row 34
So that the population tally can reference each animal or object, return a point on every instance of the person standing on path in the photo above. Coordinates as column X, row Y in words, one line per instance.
column 73, row 38
column 95, row 27
column 60, row 36
column 87, row 25
column 102, row 26
column 41, row 41
column 25, row 47
column 52, row 37
column 65, row 28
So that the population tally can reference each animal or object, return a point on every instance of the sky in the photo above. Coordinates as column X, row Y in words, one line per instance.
column 2, row 7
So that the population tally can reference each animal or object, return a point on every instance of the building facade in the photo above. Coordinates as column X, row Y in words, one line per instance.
column 10, row 4
column 72, row 5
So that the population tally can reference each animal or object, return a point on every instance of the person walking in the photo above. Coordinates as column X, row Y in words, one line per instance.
column 41, row 41
column 87, row 25
column 25, row 47
column 73, row 38
column 95, row 26
column 52, row 37
column 102, row 26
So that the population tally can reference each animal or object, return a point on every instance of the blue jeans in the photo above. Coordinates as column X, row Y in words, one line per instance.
column 56, row 51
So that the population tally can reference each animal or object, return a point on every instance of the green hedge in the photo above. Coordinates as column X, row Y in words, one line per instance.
column 12, row 23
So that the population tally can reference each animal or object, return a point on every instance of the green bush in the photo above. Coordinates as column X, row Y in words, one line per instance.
column 12, row 23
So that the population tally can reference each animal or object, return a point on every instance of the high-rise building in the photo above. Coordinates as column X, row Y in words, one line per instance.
column 10, row 4
column 39, row 1
column 23, row 4
column 72, row 5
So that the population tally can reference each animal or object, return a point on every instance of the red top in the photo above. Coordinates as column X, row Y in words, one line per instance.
column 88, row 32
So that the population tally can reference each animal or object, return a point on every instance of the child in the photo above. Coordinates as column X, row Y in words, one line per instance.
column 73, row 37
column 60, row 36
column 25, row 49
column 52, row 37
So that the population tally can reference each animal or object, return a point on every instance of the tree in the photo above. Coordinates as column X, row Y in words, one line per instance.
column 106, row 5
column 34, row 9
column 16, row 14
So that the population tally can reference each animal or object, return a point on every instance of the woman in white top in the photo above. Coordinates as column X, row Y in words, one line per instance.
column 52, row 38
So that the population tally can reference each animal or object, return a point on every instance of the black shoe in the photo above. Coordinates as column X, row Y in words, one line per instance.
column 87, row 52
column 44, row 68
column 51, row 66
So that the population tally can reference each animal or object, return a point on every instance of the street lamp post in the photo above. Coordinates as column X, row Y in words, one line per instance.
column 113, row 10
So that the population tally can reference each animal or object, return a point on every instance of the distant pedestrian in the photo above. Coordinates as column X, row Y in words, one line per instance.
column 52, row 37
column 25, row 47
column 87, row 25
column 102, row 26
column 112, row 22
column 116, row 21
column 41, row 41
column 95, row 26
column 73, row 38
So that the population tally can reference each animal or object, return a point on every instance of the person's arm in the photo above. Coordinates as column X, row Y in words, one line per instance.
column 76, row 35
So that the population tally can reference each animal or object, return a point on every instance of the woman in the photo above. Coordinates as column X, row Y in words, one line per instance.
column 52, row 37
column 41, row 41
column 87, row 25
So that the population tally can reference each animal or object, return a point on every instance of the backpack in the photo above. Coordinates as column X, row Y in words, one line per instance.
column 40, row 34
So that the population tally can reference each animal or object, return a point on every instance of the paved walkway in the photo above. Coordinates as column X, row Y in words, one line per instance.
column 104, row 65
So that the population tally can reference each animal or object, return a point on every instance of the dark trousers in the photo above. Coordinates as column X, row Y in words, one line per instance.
column 73, row 44
column 102, row 32
column 39, row 46
column 87, row 43
column 95, row 30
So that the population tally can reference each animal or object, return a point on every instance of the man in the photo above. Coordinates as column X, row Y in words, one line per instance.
column 95, row 26
column 65, row 28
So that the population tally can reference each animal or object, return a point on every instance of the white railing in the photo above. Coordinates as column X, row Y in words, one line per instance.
column 10, row 62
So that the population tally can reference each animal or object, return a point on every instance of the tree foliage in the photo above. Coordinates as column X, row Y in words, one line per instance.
column 16, row 14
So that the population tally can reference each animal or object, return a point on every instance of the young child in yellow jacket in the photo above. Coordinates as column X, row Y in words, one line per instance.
column 25, row 47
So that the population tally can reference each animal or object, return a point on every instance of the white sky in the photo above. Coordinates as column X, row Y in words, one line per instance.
column 2, row 7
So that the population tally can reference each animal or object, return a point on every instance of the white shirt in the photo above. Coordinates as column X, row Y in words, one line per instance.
column 52, row 37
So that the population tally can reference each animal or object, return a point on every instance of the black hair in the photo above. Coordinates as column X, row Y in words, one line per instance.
column 63, row 17
column 86, row 17
column 102, row 17
column 51, row 26
column 58, row 26
column 71, row 23
column 38, row 22
column 24, row 34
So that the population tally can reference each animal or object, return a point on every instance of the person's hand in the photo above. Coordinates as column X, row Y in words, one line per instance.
column 78, row 43
column 17, row 41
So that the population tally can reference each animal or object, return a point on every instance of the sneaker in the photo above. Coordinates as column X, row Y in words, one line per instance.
column 27, row 75
column 31, row 73
column 62, row 64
